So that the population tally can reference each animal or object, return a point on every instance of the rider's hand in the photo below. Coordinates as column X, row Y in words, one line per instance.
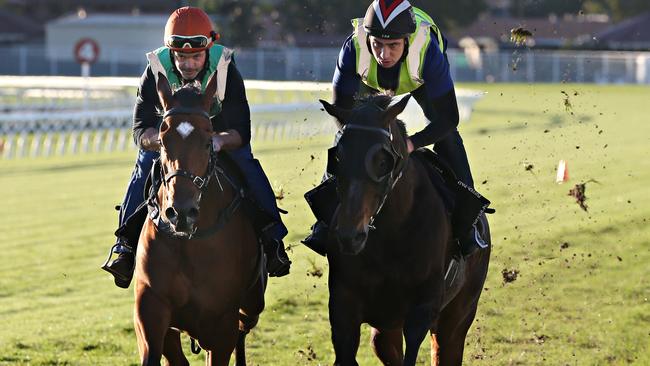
column 150, row 140
column 409, row 146
column 217, row 143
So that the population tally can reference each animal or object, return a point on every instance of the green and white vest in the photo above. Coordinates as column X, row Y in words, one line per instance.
column 160, row 60
column 410, row 77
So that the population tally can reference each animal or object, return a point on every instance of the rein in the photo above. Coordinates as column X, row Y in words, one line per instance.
column 395, row 174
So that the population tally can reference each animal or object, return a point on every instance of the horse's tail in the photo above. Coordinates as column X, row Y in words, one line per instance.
column 240, row 349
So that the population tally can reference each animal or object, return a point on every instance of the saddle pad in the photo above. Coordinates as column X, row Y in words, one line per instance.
column 441, row 176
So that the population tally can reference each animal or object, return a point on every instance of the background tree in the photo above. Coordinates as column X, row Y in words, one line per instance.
column 333, row 16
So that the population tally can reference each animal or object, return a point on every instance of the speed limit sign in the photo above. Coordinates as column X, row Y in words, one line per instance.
column 86, row 50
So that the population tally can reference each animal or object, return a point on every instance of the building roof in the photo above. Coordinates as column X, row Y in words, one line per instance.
column 632, row 33
column 106, row 19
column 551, row 32
column 16, row 28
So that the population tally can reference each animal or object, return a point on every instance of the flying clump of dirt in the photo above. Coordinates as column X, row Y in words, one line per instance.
column 509, row 275
column 309, row 353
column 519, row 36
column 314, row 271
column 578, row 192
column 567, row 102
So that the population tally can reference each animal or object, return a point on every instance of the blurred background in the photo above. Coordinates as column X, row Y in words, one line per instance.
column 572, row 41
column 540, row 84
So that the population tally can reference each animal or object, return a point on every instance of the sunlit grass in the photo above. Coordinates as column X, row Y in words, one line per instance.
column 581, row 297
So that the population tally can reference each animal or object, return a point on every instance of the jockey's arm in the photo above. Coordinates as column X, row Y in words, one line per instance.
column 146, row 119
column 437, row 98
column 346, row 81
column 233, row 124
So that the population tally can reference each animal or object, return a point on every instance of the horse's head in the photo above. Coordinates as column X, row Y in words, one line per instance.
column 186, row 154
column 371, row 155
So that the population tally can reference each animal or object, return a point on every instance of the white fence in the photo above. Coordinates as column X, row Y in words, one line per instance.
column 45, row 121
column 317, row 64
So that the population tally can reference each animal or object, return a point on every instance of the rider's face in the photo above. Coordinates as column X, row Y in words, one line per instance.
column 189, row 64
column 387, row 52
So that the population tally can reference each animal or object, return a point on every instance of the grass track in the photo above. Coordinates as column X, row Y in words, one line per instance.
column 586, row 304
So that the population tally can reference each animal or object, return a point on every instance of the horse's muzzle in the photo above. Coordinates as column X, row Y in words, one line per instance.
column 183, row 218
column 351, row 240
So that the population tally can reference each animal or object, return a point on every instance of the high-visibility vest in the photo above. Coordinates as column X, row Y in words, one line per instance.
column 160, row 61
column 410, row 77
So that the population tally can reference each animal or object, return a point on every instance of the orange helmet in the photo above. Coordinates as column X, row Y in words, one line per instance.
column 189, row 29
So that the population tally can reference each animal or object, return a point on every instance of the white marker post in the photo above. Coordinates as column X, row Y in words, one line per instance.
column 86, row 51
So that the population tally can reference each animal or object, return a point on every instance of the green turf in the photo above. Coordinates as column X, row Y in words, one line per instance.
column 584, row 304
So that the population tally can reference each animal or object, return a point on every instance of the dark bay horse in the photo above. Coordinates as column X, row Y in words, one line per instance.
column 198, row 262
column 391, row 244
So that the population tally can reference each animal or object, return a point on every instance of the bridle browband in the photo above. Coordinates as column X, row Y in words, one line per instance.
column 185, row 110
column 395, row 173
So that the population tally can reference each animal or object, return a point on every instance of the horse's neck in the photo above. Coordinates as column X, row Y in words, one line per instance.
column 401, row 199
column 218, row 195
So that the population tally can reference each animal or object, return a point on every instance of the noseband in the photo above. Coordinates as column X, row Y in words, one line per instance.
column 389, row 180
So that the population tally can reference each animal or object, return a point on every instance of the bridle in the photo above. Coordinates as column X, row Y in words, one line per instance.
column 390, row 179
column 201, row 182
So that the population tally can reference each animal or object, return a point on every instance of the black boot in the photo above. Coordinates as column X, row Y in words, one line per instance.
column 317, row 240
column 122, row 267
column 471, row 242
column 277, row 260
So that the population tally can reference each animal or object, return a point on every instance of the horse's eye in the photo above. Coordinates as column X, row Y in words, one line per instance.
column 384, row 163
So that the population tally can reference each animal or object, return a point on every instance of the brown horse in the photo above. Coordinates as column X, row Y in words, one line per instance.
column 391, row 244
column 198, row 262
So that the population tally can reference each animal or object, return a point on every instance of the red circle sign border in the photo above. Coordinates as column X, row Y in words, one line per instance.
column 78, row 47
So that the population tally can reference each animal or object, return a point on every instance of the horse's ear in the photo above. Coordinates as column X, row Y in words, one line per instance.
column 395, row 109
column 342, row 115
column 164, row 91
column 210, row 90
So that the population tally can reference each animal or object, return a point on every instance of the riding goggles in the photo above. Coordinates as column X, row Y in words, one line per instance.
column 198, row 41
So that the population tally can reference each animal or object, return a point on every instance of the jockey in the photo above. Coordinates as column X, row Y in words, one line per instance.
column 191, row 55
column 397, row 48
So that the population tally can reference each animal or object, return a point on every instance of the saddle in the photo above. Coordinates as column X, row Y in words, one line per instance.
column 130, row 230
column 463, row 203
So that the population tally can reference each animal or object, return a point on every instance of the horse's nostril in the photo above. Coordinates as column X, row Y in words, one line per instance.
column 171, row 214
column 193, row 213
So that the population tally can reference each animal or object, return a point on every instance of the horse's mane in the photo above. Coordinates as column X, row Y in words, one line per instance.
column 189, row 95
column 383, row 101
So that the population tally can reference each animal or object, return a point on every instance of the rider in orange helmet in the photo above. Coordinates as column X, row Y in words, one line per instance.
column 191, row 55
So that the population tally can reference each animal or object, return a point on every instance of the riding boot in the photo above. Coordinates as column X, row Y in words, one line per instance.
column 122, row 267
column 317, row 240
column 471, row 242
column 277, row 260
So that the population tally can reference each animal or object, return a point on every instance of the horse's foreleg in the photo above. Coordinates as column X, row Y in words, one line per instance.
column 451, row 338
column 173, row 350
column 416, row 326
column 240, row 350
column 224, row 334
column 387, row 345
column 435, row 350
column 345, row 320
column 151, row 319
